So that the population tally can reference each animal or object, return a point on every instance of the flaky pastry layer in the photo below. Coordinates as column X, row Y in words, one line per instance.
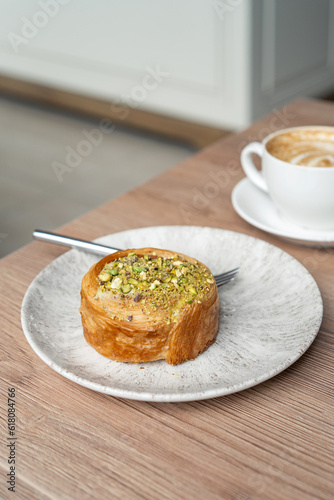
column 125, row 330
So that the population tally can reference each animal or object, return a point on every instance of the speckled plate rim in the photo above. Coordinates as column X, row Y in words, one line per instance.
column 172, row 396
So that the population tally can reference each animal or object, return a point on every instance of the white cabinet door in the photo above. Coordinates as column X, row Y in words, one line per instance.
column 217, row 62
column 109, row 48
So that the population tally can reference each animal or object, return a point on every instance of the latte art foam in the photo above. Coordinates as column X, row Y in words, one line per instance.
column 309, row 148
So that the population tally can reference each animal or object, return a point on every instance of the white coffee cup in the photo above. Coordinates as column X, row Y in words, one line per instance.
column 303, row 195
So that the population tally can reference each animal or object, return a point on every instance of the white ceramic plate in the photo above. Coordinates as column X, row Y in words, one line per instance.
column 256, row 207
column 269, row 316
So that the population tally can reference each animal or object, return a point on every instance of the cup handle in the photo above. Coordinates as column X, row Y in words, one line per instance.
column 250, row 169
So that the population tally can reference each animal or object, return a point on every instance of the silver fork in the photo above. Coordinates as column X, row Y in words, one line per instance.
column 59, row 239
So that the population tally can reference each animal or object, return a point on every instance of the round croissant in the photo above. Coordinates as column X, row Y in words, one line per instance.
column 125, row 328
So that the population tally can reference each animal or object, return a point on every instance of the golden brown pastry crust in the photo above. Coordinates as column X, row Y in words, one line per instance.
column 146, row 337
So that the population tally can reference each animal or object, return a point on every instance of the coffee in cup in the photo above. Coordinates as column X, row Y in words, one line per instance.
column 306, row 147
column 298, row 174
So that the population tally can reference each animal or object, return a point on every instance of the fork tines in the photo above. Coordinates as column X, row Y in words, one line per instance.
column 224, row 278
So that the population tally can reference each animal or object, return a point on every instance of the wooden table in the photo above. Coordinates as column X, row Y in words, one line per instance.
column 273, row 441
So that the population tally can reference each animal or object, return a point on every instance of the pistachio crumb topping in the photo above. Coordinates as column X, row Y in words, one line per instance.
column 155, row 282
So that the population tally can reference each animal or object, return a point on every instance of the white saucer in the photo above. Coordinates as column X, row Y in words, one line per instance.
column 256, row 207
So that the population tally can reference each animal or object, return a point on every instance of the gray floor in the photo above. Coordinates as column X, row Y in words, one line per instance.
column 41, row 188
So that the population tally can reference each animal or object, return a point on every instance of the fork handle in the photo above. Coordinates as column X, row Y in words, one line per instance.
column 60, row 239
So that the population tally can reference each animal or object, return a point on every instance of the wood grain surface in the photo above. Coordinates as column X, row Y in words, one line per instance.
column 273, row 441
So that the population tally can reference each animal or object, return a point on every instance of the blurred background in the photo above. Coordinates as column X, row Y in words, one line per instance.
column 98, row 97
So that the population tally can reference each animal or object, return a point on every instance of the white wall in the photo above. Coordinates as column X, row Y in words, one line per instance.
column 293, row 51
